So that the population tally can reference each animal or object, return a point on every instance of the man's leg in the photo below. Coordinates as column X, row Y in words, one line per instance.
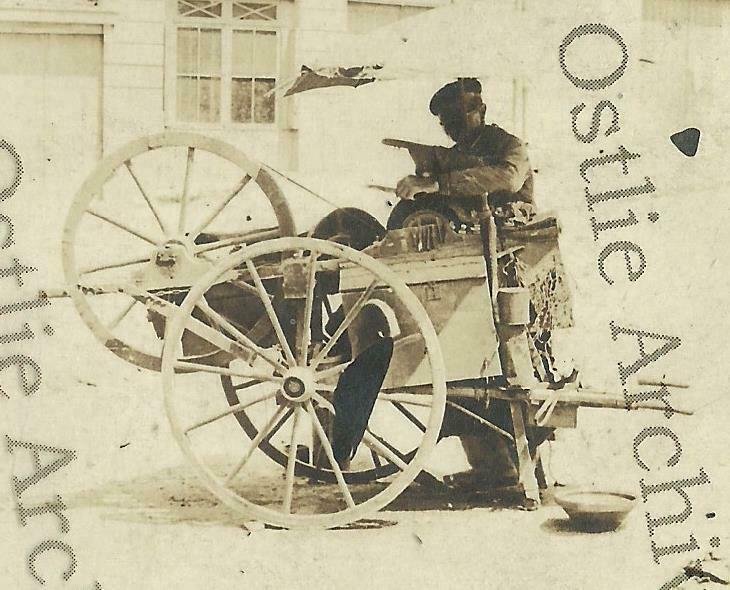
column 490, row 459
column 490, row 455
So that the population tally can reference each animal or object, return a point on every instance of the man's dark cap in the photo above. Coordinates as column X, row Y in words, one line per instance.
column 453, row 93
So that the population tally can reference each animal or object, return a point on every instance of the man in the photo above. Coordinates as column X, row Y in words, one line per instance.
column 484, row 160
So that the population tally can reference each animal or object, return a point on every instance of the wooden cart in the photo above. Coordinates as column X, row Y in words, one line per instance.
column 277, row 318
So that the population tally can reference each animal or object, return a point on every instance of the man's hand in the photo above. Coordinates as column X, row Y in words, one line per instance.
column 408, row 187
column 423, row 155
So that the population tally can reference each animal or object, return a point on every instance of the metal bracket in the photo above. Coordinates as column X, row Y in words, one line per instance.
column 295, row 278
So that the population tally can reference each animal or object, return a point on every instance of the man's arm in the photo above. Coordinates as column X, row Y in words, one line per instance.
column 481, row 177
column 424, row 156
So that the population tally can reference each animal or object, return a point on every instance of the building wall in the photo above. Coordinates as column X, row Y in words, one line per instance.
column 699, row 28
column 327, row 139
column 306, row 141
column 134, row 71
column 135, row 77
column 134, row 62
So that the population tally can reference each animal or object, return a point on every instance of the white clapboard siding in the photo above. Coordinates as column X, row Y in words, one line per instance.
column 134, row 61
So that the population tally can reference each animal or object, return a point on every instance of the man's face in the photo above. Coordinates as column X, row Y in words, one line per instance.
column 461, row 116
column 453, row 121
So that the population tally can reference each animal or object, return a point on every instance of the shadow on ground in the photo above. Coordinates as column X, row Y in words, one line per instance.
column 177, row 495
column 567, row 527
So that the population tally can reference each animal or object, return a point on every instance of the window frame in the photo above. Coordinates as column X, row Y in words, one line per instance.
column 227, row 25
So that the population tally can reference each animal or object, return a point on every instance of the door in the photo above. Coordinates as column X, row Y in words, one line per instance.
column 51, row 114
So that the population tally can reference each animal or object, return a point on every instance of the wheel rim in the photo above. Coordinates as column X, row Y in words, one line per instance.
column 228, row 483
column 179, row 232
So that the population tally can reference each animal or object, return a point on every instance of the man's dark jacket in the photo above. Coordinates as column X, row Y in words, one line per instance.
column 488, row 161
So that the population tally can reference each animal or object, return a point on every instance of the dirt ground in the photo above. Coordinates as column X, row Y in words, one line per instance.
column 425, row 539
column 139, row 518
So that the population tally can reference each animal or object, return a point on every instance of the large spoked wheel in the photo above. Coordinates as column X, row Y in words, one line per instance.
column 157, row 214
column 311, row 463
column 292, row 389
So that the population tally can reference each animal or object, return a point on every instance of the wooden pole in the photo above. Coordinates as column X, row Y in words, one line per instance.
column 514, row 352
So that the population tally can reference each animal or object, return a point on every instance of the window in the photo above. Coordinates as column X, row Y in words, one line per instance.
column 198, row 74
column 253, row 76
column 226, row 61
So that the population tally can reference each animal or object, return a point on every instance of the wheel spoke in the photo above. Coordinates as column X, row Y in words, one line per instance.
column 244, row 286
column 264, row 296
column 291, row 463
column 232, row 410
column 244, row 238
column 114, row 265
column 129, row 230
column 226, row 371
column 414, row 399
column 330, row 455
column 288, row 414
column 254, row 444
column 128, row 166
column 415, row 421
column 324, row 388
column 246, row 384
column 240, row 337
column 372, row 441
column 168, row 310
column 325, row 403
column 222, row 205
column 376, row 459
column 349, row 317
column 308, row 305
column 235, row 347
column 332, row 371
column 120, row 316
column 385, row 450
column 186, row 190
column 481, row 420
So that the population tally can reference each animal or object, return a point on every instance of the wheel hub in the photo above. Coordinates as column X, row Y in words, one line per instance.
column 173, row 264
column 299, row 385
column 169, row 253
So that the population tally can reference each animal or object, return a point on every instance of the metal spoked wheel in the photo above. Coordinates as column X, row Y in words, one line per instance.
column 288, row 389
column 156, row 215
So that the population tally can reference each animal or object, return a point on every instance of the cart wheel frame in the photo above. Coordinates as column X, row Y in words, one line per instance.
column 182, row 320
column 104, row 171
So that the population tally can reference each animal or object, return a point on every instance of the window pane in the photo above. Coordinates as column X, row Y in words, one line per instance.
column 187, row 98
column 187, row 51
column 199, row 8
column 265, row 53
column 241, row 100
column 242, row 59
column 210, row 100
column 263, row 104
column 254, row 11
column 210, row 52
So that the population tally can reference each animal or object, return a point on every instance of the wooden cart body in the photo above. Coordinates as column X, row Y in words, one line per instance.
column 450, row 282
